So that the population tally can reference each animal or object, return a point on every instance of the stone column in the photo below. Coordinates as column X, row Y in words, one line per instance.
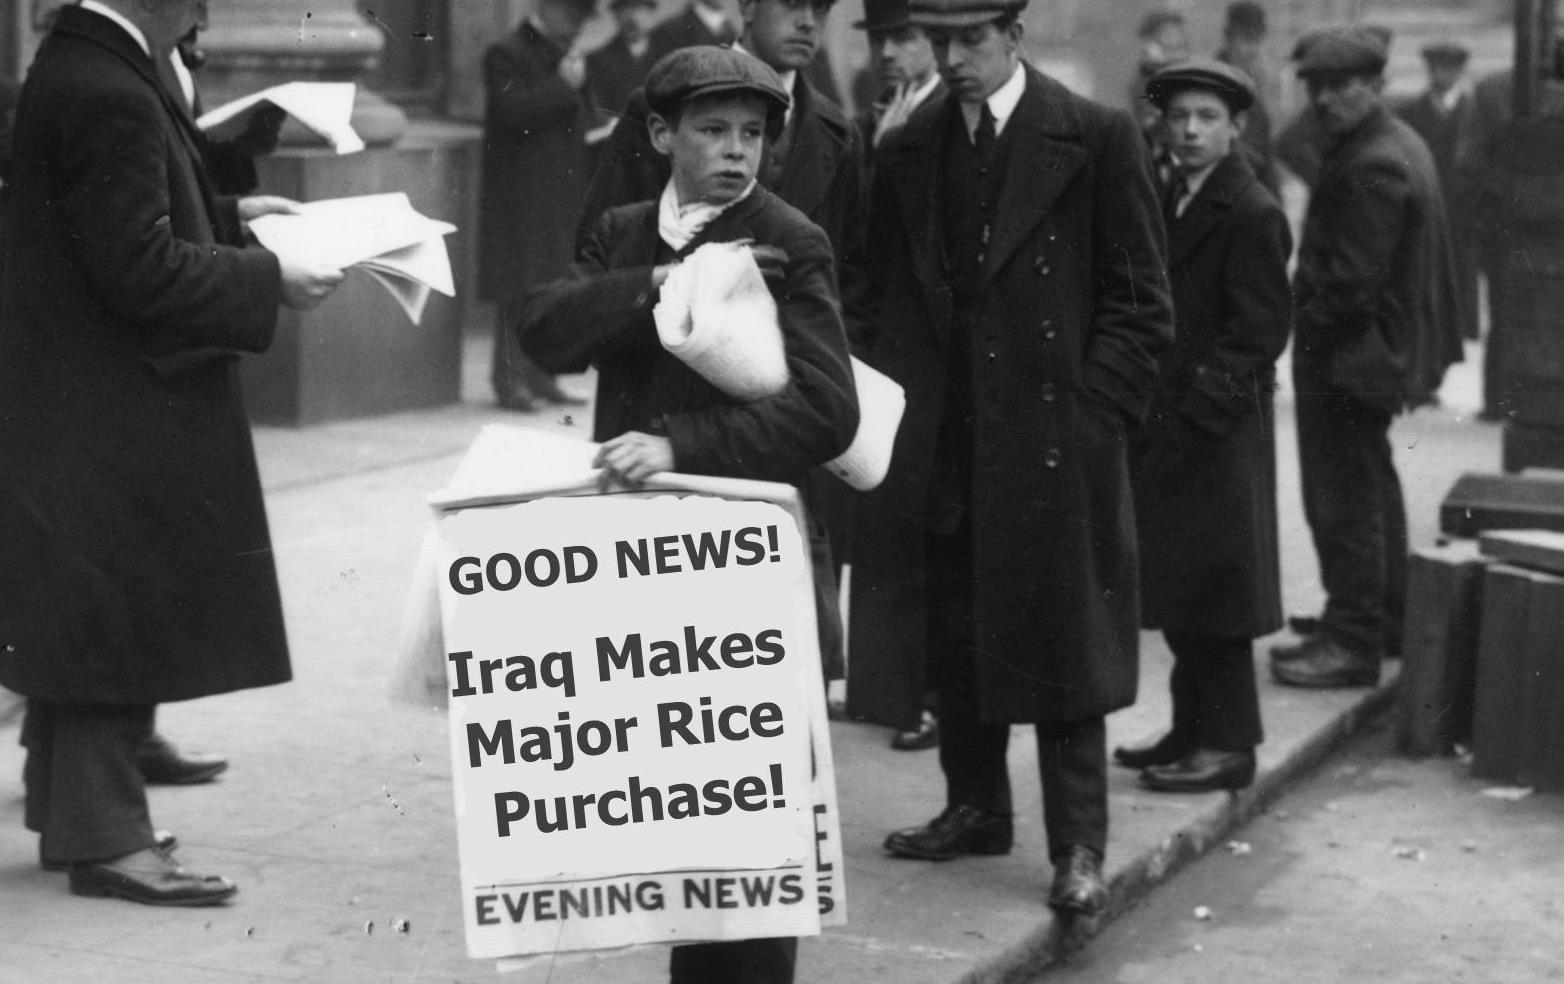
column 252, row 44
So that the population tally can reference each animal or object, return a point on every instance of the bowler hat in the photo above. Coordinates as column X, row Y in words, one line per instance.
column 1342, row 51
column 884, row 15
column 1445, row 53
column 1230, row 83
column 961, row 13
column 706, row 70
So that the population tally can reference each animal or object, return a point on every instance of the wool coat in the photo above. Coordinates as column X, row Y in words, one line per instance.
column 1205, row 462
column 138, row 567
column 1443, row 129
column 1374, row 287
column 602, row 315
column 536, row 165
column 1074, row 307
column 613, row 72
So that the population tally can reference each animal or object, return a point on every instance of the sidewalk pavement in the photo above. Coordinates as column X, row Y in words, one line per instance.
column 336, row 816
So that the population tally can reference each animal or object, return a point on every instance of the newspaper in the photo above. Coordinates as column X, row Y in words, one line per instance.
column 324, row 108
column 381, row 234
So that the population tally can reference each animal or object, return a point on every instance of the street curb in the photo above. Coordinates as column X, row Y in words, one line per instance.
column 1055, row 938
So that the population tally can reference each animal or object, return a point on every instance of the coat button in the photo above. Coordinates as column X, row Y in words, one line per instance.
column 1051, row 458
column 1041, row 265
column 1050, row 392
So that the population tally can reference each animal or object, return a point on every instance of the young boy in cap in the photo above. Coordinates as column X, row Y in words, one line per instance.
column 1204, row 465
column 711, row 111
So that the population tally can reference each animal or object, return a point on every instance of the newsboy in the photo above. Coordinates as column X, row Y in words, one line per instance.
column 1019, row 279
column 1205, row 463
column 711, row 110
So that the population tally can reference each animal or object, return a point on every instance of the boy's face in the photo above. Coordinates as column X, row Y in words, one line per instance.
column 1201, row 129
column 715, row 148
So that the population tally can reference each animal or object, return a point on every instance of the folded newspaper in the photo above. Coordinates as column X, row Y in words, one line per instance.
column 383, row 235
column 717, row 315
column 324, row 108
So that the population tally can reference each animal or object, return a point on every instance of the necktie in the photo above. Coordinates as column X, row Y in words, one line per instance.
column 1172, row 194
column 985, row 135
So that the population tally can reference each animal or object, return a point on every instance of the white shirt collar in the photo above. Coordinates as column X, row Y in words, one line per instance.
column 1002, row 104
column 678, row 225
column 186, row 80
column 789, row 79
column 120, row 19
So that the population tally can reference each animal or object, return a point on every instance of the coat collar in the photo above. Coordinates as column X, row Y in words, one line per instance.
column 732, row 224
column 820, row 133
column 1046, row 139
column 1210, row 205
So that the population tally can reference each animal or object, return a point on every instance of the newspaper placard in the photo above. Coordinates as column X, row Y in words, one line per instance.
column 634, row 683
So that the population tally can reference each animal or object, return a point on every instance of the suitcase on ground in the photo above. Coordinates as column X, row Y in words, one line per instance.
column 1518, row 711
column 1479, row 502
column 1439, row 648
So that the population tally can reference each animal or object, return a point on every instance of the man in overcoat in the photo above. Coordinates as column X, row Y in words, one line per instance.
column 620, row 65
column 1205, row 462
column 1376, row 330
column 536, row 166
column 712, row 110
column 1021, row 300
column 138, row 563
column 1442, row 115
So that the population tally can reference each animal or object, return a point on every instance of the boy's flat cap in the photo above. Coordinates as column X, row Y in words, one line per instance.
column 961, row 13
column 708, row 70
column 1232, row 84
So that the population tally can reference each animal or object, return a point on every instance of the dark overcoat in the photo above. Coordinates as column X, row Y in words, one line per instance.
column 613, row 72
column 536, row 165
column 683, row 30
column 138, row 567
column 1205, row 461
column 1443, row 131
column 1075, row 306
column 1374, row 287
column 602, row 315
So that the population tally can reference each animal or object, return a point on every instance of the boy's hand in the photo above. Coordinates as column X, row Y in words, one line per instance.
column 632, row 457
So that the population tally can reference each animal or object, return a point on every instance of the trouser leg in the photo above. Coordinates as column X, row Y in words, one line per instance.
column 1073, row 762
column 85, row 794
column 1224, row 709
column 1348, row 484
column 763, row 961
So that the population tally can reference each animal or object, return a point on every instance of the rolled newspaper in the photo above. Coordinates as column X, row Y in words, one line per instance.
column 716, row 314
column 881, row 401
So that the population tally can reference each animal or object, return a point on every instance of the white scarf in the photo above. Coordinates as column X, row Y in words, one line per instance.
column 678, row 225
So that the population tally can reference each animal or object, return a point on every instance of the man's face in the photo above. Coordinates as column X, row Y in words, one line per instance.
column 784, row 34
column 1341, row 102
column 561, row 20
column 635, row 20
column 1442, row 76
column 902, row 55
column 715, row 147
column 975, row 61
column 1201, row 129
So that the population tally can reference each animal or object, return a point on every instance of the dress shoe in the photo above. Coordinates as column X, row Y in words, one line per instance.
column 1320, row 663
column 150, row 877
column 1308, row 625
column 163, row 840
column 1078, row 886
column 164, row 765
column 1169, row 748
column 956, row 831
column 925, row 735
column 1201, row 771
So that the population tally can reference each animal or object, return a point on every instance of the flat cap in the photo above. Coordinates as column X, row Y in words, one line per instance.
column 1342, row 51
column 706, row 70
column 1232, row 84
column 1445, row 53
column 884, row 15
column 961, row 13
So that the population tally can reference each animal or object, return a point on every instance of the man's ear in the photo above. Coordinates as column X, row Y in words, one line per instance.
column 1241, row 120
column 1016, row 32
column 661, row 133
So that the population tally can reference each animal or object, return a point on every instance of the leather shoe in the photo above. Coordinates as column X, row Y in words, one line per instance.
column 1078, row 886
column 1308, row 625
column 956, row 831
column 163, row 840
column 1169, row 748
column 164, row 765
column 150, row 877
column 1321, row 663
column 1202, row 770
column 925, row 735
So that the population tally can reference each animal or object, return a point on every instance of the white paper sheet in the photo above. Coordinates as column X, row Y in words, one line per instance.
column 325, row 108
